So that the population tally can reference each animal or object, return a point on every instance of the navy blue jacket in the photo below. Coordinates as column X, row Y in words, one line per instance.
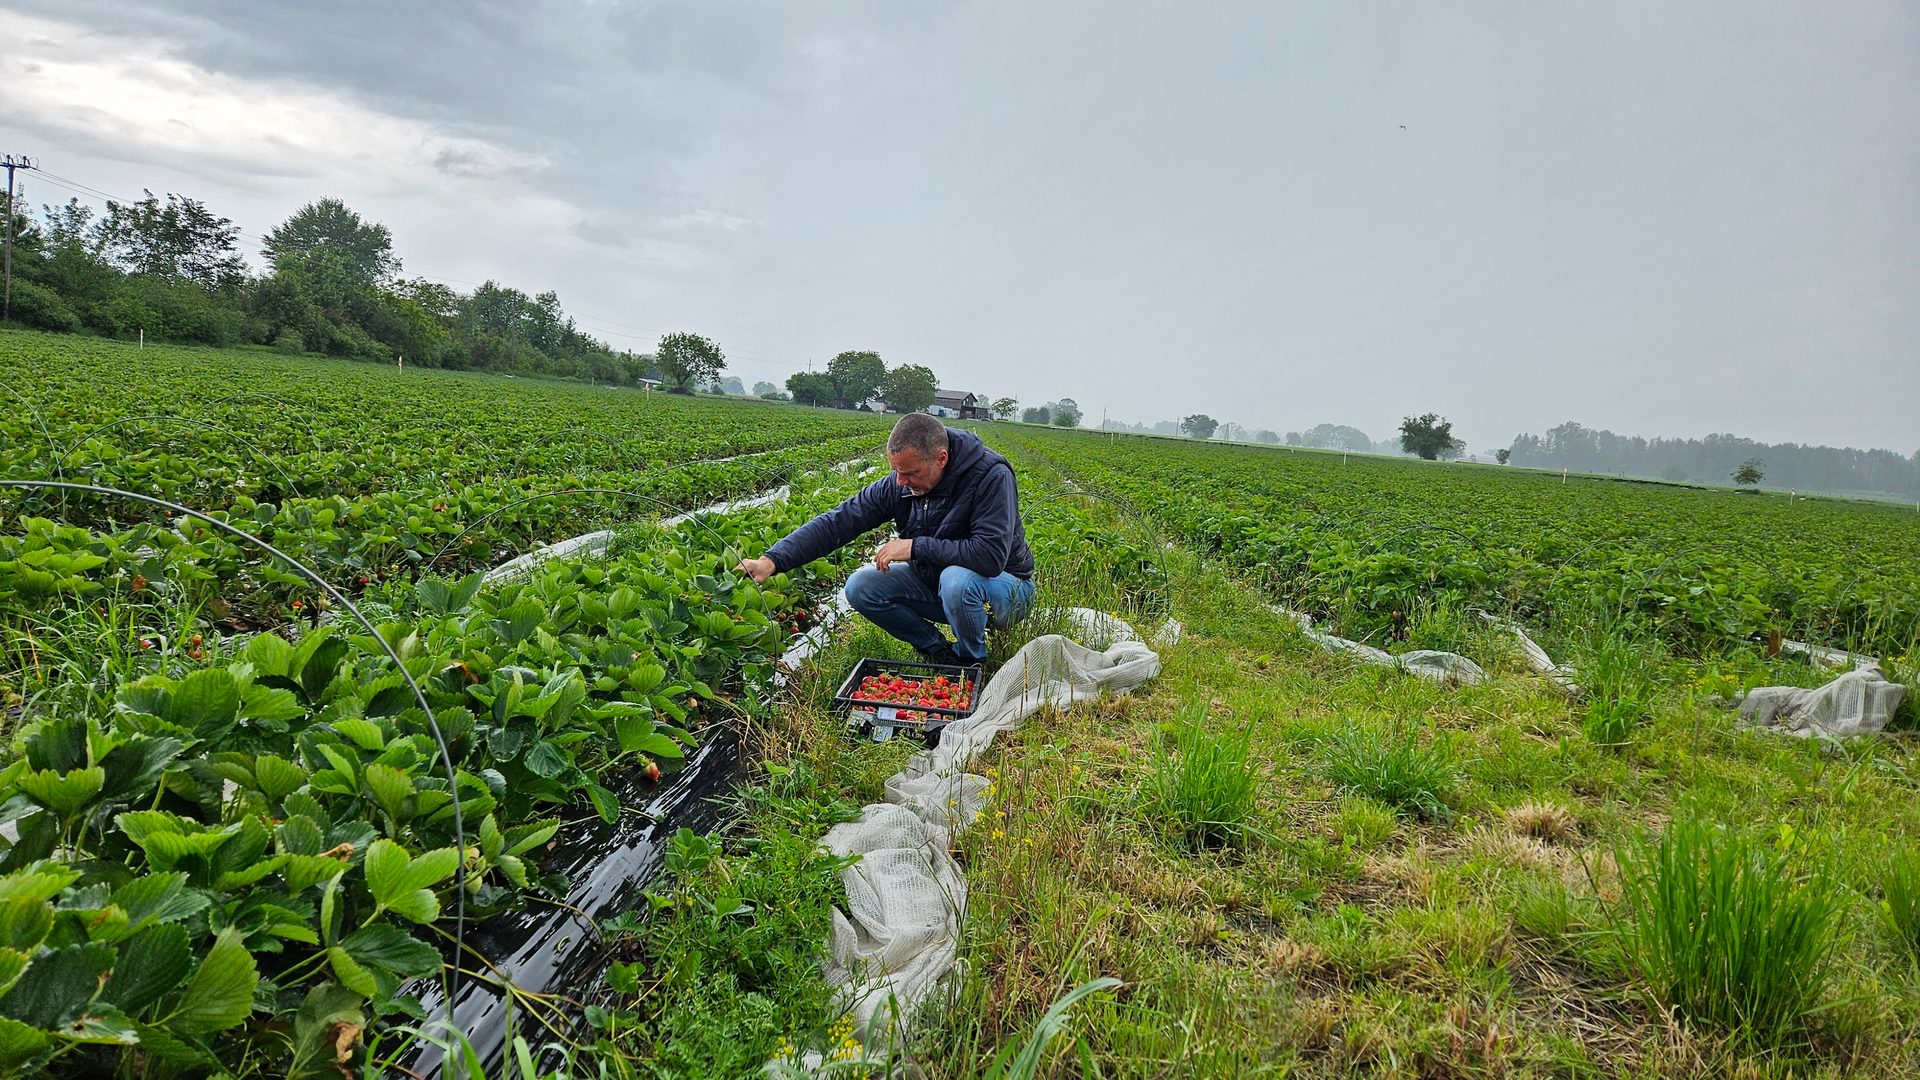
column 970, row 518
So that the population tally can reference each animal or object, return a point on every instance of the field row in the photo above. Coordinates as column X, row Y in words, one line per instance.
column 1356, row 541
column 363, row 473
column 250, row 832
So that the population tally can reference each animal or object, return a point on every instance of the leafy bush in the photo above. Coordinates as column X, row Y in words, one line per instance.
column 41, row 308
column 1730, row 931
column 289, row 341
column 1393, row 768
column 1202, row 787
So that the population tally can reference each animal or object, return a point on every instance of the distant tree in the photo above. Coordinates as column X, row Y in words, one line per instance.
column 1750, row 473
column 1294, row 438
column 909, row 388
column 687, row 360
column 1430, row 436
column 1038, row 415
column 1673, row 474
column 1004, row 408
column 177, row 241
column 1199, row 426
column 763, row 388
column 730, row 386
column 1336, row 437
column 1266, row 435
column 811, row 388
column 1807, row 468
column 328, row 233
column 856, row 376
column 1503, row 455
column 1065, row 412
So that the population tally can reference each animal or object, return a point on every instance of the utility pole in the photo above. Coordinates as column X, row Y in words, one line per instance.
column 10, row 163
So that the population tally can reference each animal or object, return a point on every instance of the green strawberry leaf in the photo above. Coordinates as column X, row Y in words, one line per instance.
column 220, row 994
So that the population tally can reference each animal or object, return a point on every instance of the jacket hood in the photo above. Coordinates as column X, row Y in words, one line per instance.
column 966, row 454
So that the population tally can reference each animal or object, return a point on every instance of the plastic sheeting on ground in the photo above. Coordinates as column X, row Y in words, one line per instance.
column 1536, row 657
column 907, row 897
column 1824, row 655
column 1443, row 667
column 1857, row 702
column 521, row 567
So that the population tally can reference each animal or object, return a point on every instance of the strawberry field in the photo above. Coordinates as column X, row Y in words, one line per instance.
column 287, row 775
column 235, row 811
column 1353, row 541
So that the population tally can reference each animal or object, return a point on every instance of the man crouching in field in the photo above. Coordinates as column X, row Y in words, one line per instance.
column 961, row 557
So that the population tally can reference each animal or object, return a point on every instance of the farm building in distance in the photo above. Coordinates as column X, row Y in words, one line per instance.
column 958, row 404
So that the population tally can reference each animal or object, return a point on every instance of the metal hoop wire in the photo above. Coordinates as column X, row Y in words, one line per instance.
column 692, row 516
column 221, row 428
column 38, row 418
column 1072, row 489
column 305, row 420
column 446, row 754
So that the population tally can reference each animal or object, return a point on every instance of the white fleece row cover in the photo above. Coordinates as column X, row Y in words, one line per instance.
column 1857, row 702
column 906, row 897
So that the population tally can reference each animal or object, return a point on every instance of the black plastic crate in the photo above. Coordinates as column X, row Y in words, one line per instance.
column 882, row 721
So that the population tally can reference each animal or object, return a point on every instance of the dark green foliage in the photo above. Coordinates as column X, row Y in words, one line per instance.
column 856, row 376
column 41, row 308
column 689, row 360
column 1429, row 436
column 909, row 388
column 168, row 271
column 731, row 947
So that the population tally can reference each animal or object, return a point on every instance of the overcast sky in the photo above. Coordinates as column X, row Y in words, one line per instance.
column 1661, row 219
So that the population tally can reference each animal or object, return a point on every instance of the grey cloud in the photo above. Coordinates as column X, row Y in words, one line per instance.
column 1656, row 219
column 594, row 232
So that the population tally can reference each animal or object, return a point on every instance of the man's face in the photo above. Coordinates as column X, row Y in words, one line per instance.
column 915, row 473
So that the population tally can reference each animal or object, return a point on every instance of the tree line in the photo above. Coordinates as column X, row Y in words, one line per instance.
column 171, row 270
column 1717, row 457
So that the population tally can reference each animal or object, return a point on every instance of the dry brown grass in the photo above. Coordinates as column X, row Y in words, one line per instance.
column 1544, row 821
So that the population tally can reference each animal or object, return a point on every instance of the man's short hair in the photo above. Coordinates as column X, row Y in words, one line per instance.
column 919, row 432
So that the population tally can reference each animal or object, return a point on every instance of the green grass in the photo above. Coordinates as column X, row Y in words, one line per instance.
column 1730, row 932
column 1900, row 899
column 1202, row 786
column 1428, row 883
column 1394, row 768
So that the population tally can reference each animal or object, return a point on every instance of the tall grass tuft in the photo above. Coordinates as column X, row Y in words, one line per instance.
column 1393, row 768
column 1731, row 932
column 1900, row 899
column 1022, row 1061
column 1202, row 787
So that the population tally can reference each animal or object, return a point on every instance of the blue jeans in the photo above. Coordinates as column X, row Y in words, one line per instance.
column 898, row 602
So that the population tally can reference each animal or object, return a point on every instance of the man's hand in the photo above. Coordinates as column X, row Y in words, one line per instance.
column 893, row 551
column 759, row 569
